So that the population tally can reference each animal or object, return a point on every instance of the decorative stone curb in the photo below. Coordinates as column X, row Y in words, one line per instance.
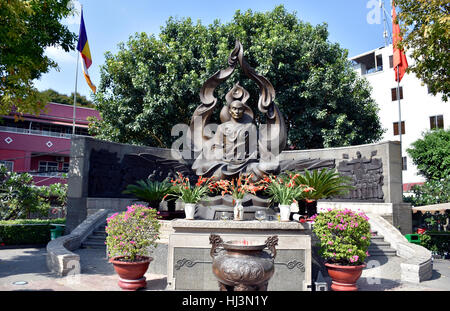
column 60, row 259
column 419, row 264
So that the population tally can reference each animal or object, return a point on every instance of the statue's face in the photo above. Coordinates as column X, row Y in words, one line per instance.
column 236, row 110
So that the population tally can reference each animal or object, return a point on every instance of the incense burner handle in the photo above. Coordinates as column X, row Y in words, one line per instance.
column 271, row 242
column 217, row 243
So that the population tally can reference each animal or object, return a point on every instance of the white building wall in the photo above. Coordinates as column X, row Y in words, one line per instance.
column 417, row 106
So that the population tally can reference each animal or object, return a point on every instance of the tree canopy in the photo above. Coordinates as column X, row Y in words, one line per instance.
column 153, row 83
column 56, row 97
column 426, row 30
column 26, row 29
column 431, row 154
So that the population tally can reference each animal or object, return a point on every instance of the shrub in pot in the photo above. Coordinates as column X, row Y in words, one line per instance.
column 344, row 241
column 284, row 189
column 324, row 184
column 189, row 194
column 131, row 235
column 149, row 191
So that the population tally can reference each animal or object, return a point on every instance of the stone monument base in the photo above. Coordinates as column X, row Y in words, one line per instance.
column 189, row 265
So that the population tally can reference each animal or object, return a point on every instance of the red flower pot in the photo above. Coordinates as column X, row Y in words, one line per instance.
column 344, row 277
column 131, row 273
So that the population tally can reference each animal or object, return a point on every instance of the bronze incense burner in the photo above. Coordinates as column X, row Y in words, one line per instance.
column 243, row 265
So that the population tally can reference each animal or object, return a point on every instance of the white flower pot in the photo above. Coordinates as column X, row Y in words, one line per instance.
column 285, row 212
column 189, row 210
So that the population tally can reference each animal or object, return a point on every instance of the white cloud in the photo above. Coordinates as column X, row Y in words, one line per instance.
column 59, row 55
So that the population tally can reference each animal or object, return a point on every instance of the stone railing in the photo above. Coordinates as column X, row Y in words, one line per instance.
column 60, row 259
column 419, row 265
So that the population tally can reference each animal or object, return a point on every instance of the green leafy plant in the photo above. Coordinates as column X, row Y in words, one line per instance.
column 283, row 189
column 431, row 192
column 149, row 191
column 324, row 183
column 182, row 189
column 131, row 234
column 344, row 236
column 27, row 231
column 431, row 154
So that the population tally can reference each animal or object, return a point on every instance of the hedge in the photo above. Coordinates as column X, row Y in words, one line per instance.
column 27, row 231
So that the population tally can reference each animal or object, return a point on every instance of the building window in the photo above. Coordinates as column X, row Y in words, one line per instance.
column 391, row 61
column 404, row 164
column 65, row 167
column 396, row 128
column 47, row 166
column 437, row 122
column 394, row 93
column 8, row 164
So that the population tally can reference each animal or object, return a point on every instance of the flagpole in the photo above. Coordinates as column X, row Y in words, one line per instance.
column 399, row 109
column 75, row 95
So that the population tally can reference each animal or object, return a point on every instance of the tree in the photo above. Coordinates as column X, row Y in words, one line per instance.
column 152, row 83
column 56, row 97
column 26, row 29
column 426, row 32
column 431, row 154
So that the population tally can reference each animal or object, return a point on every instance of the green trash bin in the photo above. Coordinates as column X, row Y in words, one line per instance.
column 56, row 231
column 413, row 238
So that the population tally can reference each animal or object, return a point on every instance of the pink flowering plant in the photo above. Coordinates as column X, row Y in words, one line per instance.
column 344, row 236
column 131, row 234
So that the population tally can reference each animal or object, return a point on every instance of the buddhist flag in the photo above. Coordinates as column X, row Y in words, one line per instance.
column 400, row 63
column 83, row 48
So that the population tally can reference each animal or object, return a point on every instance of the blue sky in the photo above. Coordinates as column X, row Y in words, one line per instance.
column 356, row 25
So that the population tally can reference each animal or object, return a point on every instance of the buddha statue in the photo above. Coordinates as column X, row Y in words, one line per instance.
column 237, row 146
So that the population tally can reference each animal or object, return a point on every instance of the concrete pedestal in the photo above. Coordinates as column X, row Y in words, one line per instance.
column 189, row 265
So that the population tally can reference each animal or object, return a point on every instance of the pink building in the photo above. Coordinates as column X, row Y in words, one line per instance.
column 40, row 145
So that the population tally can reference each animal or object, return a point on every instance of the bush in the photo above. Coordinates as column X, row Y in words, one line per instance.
column 431, row 192
column 431, row 154
column 27, row 231
column 149, row 191
column 20, row 198
column 344, row 236
column 131, row 233
column 436, row 242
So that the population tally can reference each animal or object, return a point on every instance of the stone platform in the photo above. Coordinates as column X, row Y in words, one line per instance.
column 189, row 265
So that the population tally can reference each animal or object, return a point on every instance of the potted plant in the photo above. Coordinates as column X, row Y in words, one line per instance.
column 284, row 190
column 324, row 184
column 237, row 188
column 344, row 240
column 149, row 191
column 130, row 237
column 190, row 195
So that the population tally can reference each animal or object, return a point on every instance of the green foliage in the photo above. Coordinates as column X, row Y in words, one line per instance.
column 26, row 29
column 431, row 154
column 19, row 197
column 426, row 29
column 27, row 231
column 283, row 189
column 183, row 190
column 324, row 184
column 153, row 83
column 55, row 97
column 131, row 233
column 344, row 236
column 436, row 242
column 149, row 191
column 431, row 192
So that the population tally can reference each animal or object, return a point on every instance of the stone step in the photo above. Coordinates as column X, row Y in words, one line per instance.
column 93, row 244
column 380, row 244
column 388, row 252
column 377, row 238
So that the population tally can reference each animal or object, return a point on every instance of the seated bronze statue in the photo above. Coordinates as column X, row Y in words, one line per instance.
column 237, row 147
